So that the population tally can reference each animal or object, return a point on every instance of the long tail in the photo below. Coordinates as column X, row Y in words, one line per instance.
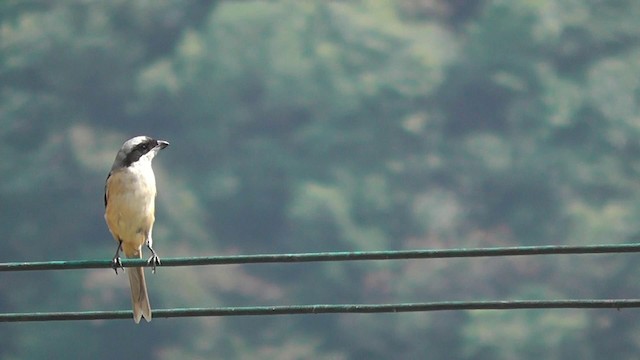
column 139, row 296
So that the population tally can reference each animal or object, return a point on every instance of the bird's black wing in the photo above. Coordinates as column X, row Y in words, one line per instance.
column 105, row 189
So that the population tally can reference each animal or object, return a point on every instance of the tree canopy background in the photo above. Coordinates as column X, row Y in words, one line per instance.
column 300, row 126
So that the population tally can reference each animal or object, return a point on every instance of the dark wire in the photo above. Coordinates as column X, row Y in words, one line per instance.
column 331, row 309
column 332, row 256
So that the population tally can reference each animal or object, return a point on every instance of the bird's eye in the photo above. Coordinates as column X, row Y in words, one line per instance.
column 143, row 148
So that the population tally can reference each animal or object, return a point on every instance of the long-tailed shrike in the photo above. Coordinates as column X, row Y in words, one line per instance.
column 129, row 200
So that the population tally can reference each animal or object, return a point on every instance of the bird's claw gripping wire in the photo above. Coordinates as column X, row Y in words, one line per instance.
column 116, row 262
column 154, row 260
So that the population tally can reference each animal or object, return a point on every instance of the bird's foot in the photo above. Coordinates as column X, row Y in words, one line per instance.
column 116, row 263
column 154, row 261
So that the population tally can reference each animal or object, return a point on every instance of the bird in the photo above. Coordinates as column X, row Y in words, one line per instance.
column 129, row 199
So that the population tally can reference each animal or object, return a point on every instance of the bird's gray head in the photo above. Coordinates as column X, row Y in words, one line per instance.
column 139, row 148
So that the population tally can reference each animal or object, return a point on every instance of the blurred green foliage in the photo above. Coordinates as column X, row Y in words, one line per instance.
column 302, row 126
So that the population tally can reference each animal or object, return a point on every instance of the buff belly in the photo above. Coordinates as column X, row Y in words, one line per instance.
column 130, row 208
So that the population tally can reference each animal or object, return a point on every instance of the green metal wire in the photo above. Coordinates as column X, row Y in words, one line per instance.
column 331, row 309
column 332, row 256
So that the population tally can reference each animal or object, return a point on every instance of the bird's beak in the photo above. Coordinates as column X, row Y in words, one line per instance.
column 162, row 144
